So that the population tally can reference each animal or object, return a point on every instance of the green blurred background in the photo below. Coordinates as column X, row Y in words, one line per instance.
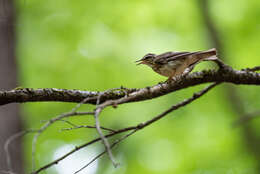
column 92, row 45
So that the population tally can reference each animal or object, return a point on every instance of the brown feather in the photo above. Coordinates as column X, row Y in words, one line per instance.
column 163, row 58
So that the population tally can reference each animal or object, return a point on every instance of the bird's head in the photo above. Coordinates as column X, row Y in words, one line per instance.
column 147, row 59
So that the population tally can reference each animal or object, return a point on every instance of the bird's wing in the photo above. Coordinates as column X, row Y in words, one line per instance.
column 168, row 56
column 181, row 56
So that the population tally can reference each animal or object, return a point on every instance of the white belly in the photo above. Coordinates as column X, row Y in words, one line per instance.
column 172, row 69
column 167, row 70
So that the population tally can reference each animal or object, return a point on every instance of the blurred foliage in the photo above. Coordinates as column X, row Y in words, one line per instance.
column 92, row 45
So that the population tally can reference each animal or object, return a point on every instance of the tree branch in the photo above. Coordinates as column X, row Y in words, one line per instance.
column 227, row 74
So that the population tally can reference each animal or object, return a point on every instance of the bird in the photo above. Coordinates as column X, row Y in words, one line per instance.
column 176, row 64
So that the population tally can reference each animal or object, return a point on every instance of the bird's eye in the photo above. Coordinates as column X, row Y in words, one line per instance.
column 148, row 56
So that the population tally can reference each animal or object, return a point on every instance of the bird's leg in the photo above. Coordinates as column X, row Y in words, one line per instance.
column 188, row 70
column 169, row 80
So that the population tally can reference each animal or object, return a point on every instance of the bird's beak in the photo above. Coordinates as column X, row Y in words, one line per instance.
column 139, row 62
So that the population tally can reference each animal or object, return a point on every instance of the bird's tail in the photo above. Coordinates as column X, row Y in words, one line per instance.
column 210, row 54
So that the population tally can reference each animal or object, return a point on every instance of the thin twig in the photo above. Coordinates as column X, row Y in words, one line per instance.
column 177, row 106
column 82, row 126
column 87, row 126
column 139, row 126
column 102, row 153
column 77, row 148
column 98, row 127
column 9, row 141
column 68, row 122
column 48, row 123
column 103, row 138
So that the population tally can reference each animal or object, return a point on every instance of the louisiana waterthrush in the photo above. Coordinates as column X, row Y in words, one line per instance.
column 174, row 64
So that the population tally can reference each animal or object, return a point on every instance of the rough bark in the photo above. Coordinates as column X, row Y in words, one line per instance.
column 226, row 74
